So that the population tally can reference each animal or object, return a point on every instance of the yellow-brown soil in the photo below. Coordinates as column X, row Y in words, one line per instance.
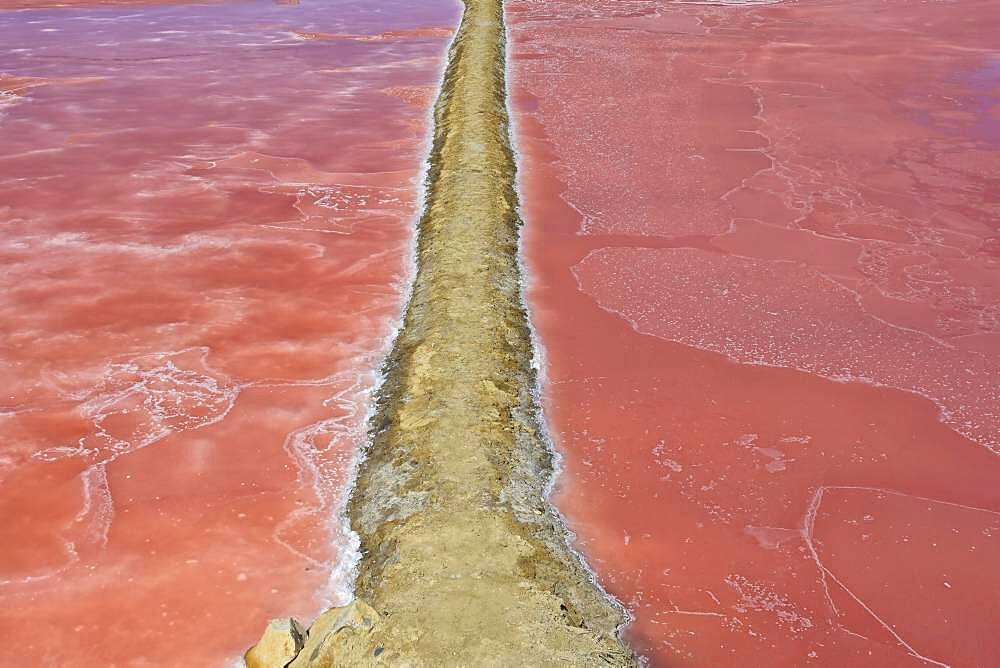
column 464, row 560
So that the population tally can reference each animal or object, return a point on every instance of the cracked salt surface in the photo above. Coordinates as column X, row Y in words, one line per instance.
column 196, row 295
column 794, row 323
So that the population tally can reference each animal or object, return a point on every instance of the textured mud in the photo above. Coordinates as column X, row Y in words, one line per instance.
column 463, row 557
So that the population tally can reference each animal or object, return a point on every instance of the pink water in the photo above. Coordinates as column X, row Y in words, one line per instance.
column 205, row 220
column 764, row 259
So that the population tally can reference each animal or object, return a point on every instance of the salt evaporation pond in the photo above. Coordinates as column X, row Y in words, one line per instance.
column 765, row 269
column 206, row 216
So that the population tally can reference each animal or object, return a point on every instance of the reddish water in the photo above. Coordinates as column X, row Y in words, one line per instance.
column 765, row 266
column 206, row 213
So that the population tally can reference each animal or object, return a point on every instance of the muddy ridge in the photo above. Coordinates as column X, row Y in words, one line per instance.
column 464, row 560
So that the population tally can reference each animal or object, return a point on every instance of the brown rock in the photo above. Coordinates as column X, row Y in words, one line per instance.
column 337, row 632
column 282, row 641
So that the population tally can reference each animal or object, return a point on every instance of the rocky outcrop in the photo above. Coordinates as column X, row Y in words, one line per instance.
column 282, row 641
column 336, row 634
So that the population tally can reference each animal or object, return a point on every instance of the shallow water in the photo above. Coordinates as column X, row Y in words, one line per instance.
column 206, row 216
column 763, row 257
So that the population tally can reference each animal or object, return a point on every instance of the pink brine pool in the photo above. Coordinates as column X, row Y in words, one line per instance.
column 764, row 265
column 206, row 213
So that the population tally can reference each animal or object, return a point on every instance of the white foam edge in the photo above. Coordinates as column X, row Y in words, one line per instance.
column 339, row 588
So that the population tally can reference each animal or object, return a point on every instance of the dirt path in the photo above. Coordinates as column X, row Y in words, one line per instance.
column 463, row 556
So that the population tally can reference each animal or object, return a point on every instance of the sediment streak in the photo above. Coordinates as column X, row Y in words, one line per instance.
column 462, row 554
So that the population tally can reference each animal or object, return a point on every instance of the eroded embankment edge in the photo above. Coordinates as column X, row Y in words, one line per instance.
column 539, row 354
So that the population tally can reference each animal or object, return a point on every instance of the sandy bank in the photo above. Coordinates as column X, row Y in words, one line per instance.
column 464, row 559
